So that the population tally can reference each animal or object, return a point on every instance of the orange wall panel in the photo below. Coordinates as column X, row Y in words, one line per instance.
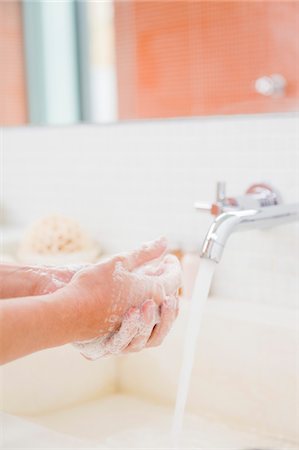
column 13, row 104
column 183, row 58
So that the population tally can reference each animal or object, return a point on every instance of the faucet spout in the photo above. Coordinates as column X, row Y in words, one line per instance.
column 228, row 222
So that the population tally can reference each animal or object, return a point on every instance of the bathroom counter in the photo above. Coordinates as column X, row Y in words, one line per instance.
column 122, row 421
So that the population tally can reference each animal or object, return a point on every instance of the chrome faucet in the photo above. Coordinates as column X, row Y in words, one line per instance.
column 259, row 207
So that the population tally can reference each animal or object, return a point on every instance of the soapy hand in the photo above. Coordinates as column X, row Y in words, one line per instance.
column 126, row 303
column 49, row 279
column 25, row 281
column 121, row 305
column 141, row 327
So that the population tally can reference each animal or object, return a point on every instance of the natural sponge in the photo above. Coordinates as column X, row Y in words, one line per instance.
column 55, row 235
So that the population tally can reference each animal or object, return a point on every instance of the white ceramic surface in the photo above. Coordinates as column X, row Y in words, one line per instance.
column 245, row 373
column 126, row 422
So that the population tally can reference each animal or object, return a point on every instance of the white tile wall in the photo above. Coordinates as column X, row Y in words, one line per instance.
column 133, row 181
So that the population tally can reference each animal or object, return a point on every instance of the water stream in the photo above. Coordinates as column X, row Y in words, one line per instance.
column 197, row 305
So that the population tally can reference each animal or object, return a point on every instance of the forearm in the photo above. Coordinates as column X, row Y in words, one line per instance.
column 30, row 324
column 17, row 281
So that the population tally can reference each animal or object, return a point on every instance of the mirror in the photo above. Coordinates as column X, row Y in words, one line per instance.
column 99, row 62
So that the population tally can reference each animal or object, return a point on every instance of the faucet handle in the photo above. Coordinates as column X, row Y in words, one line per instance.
column 221, row 191
column 259, row 195
column 212, row 208
column 215, row 208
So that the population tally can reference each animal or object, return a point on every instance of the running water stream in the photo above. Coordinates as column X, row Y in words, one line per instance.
column 197, row 305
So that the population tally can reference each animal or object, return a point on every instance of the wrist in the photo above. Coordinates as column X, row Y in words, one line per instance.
column 82, row 319
column 65, row 315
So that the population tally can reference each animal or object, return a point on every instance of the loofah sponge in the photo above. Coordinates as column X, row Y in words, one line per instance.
column 57, row 237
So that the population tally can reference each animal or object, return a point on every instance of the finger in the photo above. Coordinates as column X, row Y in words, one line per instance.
column 156, row 268
column 148, row 252
column 169, row 309
column 168, row 278
column 128, row 330
column 171, row 276
column 164, row 283
column 149, row 317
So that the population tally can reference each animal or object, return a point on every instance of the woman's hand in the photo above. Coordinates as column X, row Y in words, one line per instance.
column 142, row 327
column 121, row 305
column 125, row 303
column 26, row 281
column 49, row 279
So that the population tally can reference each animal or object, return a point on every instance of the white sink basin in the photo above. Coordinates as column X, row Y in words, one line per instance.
column 125, row 422
column 243, row 394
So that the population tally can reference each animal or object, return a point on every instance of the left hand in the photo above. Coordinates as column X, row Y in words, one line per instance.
column 26, row 281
